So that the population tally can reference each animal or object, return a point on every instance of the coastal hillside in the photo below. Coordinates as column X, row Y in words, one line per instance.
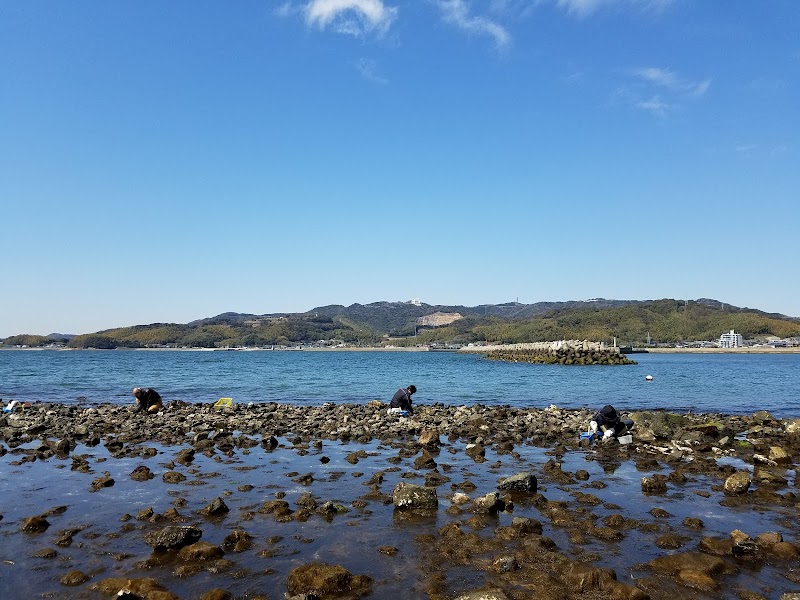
column 630, row 322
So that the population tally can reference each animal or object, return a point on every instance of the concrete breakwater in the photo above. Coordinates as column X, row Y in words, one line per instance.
column 563, row 352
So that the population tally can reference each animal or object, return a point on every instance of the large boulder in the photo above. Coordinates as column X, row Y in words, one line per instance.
column 521, row 482
column 173, row 537
column 737, row 484
column 322, row 579
column 407, row 495
column 200, row 551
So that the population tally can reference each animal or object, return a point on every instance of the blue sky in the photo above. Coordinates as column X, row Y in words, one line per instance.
column 168, row 161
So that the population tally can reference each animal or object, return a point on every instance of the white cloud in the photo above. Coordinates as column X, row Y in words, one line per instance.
column 286, row 9
column 352, row 17
column 584, row 8
column 660, row 91
column 745, row 148
column 456, row 12
column 669, row 80
column 654, row 105
column 369, row 71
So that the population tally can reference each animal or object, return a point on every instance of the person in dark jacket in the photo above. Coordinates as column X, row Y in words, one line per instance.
column 608, row 421
column 148, row 400
column 402, row 399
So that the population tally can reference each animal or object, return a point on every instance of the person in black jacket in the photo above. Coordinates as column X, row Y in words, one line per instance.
column 148, row 400
column 402, row 399
column 608, row 422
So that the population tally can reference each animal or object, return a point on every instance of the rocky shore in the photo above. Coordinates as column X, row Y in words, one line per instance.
column 344, row 501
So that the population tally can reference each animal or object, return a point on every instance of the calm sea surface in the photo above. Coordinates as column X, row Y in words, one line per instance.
column 698, row 382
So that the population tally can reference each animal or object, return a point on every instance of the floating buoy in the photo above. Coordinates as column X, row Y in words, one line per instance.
column 648, row 378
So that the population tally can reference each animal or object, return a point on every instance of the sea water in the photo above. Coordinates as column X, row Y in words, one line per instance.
column 727, row 383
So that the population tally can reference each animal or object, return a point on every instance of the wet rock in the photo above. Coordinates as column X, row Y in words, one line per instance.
column 672, row 541
column 145, row 514
column 582, row 577
column 737, row 484
column 505, row 564
column 743, row 544
column 608, row 534
column 697, row 561
column 35, row 524
column 74, row 578
column 388, row 550
column 716, row 546
column 521, row 482
column 429, row 438
column 185, row 456
column 693, row 523
column 141, row 473
column 434, row 478
column 697, row 580
column 173, row 537
column 132, row 589
column 200, row 551
column 654, row 485
column 490, row 503
column 475, row 451
column 659, row 513
column 489, row 594
column 102, row 482
column 216, row 508
column 424, row 461
column 237, row 541
column 279, row 508
column 554, row 472
column 327, row 580
column 45, row 553
column 407, row 495
column 354, row 457
column 173, row 477
column 784, row 551
column 306, row 479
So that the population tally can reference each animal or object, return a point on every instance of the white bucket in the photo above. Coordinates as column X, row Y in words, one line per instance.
column 625, row 439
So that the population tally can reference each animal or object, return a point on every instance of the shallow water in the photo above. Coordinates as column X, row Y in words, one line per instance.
column 726, row 383
column 103, row 549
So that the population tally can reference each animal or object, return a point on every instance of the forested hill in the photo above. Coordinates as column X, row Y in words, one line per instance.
column 404, row 323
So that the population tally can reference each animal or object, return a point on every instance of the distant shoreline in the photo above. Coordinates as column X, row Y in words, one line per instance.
column 747, row 350
column 463, row 350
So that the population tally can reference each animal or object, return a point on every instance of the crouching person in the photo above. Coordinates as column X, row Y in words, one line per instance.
column 147, row 400
column 608, row 423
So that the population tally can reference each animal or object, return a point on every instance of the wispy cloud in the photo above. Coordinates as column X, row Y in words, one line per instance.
column 743, row 148
column 584, row 8
column 654, row 105
column 669, row 80
column 659, row 91
column 457, row 13
column 369, row 71
column 351, row 17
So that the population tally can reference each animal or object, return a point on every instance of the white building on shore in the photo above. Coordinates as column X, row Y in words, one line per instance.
column 731, row 340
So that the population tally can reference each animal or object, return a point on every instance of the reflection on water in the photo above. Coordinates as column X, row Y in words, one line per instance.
column 104, row 545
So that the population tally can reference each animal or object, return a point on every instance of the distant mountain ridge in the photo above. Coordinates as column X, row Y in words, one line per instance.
column 630, row 322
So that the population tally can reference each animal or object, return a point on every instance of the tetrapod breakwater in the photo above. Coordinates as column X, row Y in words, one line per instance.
column 562, row 352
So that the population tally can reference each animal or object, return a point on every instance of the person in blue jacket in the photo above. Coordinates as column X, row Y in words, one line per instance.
column 402, row 399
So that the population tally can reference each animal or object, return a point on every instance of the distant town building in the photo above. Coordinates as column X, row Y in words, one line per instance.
column 416, row 302
column 731, row 340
